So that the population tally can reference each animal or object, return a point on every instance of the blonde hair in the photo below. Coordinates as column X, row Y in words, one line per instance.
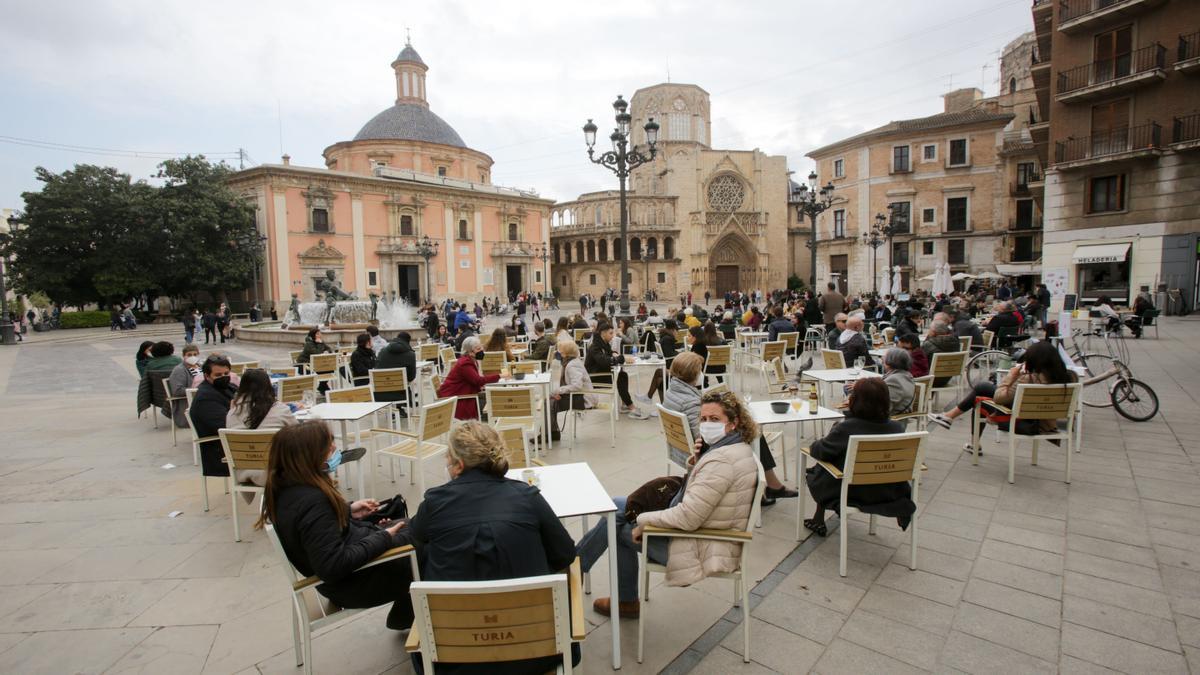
column 567, row 348
column 731, row 404
column 478, row 446
column 687, row 366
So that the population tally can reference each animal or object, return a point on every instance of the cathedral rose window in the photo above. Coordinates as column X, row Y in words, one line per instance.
column 725, row 193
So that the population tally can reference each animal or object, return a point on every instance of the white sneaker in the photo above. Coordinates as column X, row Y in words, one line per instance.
column 940, row 420
column 638, row 415
column 644, row 400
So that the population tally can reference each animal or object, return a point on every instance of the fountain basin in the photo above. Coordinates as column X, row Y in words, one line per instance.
column 337, row 335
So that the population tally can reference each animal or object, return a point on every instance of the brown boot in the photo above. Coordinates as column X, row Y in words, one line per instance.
column 628, row 610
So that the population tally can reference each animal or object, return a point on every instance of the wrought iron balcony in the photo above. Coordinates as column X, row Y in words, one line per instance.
column 1083, row 15
column 1187, row 54
column 1124, row 143
column 1019, row 189
column 1025, row 224
column 1108, row 76
column 1185, row 132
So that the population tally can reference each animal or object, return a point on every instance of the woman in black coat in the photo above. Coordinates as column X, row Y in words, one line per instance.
column 362, row 360
column 323, row 535
column 481, row 526
column 870, row 406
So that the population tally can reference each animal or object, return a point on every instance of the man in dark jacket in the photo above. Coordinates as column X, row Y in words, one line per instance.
column 964, row 326
column 209, row 322
column 540, row 346
column 779, row 324
column 852, row 344
column 399, row 354
column 208, row 411
column 1005, row 324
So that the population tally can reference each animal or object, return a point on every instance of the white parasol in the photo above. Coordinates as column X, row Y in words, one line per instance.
column 885, row 283
column 897, row 285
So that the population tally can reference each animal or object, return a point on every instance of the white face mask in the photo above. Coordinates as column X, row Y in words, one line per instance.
column 192, row 360
column 712, row 432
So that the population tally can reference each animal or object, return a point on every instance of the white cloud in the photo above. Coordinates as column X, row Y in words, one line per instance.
column 516, row 79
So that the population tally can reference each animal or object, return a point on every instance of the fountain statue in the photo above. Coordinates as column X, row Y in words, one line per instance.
column 293, row 313
column 374, row 306
column 333, row 294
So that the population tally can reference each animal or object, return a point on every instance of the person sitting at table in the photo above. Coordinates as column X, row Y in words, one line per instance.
column 599, row 362
column 1041, row 364
column 324, row 536
column 480, row 526
column 910, row 322
column 1141, row 307
column 941, row 340
column 255, row 407
column 852, row 344
column 209, row 409
column 574, row 379
column 868, row 414
column 314, row 343
column 667, row 340
column 498, row 342
column 466, row 380
column 897, row 376
column 362, row 360
column 911, row 343
column 683, row 396
column 162, row 357
column 728, row 326
column 443, row 336
column 779, row 324
column 964, row 326
column 540, row 346
column 180, row 380
column 717, row 494
column 880, row 313
column 839, row 325
column 627, row 333
column 1112, row 320
column 1005, row 321
column 642, row 312
column 142, row 356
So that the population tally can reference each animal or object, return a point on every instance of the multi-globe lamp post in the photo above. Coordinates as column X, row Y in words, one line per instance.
column 622, row 160
column 811, row 201
column 427, row 248
column 543, row 253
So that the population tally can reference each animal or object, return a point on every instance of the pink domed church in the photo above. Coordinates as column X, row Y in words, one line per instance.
column 405, row 176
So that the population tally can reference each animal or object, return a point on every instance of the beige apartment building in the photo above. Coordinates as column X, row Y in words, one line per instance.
column 701, row 219
column 1118, row 92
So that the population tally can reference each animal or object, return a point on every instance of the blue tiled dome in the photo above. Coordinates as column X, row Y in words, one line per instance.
column 410, row 122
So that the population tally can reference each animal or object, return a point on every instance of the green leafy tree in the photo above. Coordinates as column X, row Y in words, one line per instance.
column 94, row 235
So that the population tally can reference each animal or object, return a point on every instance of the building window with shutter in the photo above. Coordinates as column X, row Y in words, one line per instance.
column 513, row 234
column 958, row 152
column 406, row 226
column 900, row 217
column 464, row 230
column 927, row 248
column 839, row 223
column 956, row 251
column 1106, row 194
column 839, row 168
column 442, row 171
column 929, row 152
column 956, row 214
column 900, row 159
column 320, row 220
column 928, row 215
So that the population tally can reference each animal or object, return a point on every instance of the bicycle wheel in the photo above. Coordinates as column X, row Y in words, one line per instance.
column 981, row 366
column 1096, row 395
column 1135, row 400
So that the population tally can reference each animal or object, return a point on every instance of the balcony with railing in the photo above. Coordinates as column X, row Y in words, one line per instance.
column 1185, row 132
column 1187, row 53
column 1025, row 188
column 1079, row 16
column 1119, row 144
column 1039, row 68
column 1025, row 224
column 1141, row 68
column 1026, row 249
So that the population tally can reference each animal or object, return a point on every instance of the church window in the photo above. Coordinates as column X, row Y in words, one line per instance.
column 464, row 231
column 597, row 216
column 700, row 133
column 726, row 193
column 1012, row 85
column 320, row 220
column 442, row 171
column 406, row 226
column 617, row 252
column 839, row 223
column 557, row 255
column 579, row 251
column 512, row 232
column 603, row 246
column 635, row 249
column 591, row 251
column 679, row 126
column 669, row 248
column 651, row 248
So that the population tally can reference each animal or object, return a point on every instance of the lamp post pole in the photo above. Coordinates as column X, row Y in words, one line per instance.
column 7, row 337
column 812, row 201
column 544, row 254
column 254, row 243
column 427, row 248
column 874, row 239
column 622, row 160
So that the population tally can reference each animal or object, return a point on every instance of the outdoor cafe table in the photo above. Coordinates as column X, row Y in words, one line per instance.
column 761, row 413
column 656, row 362
column 348, row 412
column 839, row 375
column 573, row 490
column 533, row 380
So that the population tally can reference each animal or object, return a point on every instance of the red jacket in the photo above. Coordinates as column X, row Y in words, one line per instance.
column 465, row 380
column 920, row 363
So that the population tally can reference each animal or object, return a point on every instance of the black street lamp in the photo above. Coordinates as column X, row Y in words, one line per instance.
column 7, row 336
column 427, row 248
column 622, row 160
column 254, row 243
column 812, row 201
column 874, row 239
column 884, row 228
column 544, row 254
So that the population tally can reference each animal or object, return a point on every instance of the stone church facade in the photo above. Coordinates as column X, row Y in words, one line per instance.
column 701, row 219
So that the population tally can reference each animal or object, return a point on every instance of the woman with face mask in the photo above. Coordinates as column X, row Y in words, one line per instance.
column 466, row 380
column 480, row 526
column 323, row 535
column 717, row 494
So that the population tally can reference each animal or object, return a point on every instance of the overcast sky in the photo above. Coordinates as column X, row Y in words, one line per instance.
column 516, row 79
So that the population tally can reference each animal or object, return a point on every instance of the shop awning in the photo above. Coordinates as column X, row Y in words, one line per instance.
column 1100, row 253
column 1019, row 269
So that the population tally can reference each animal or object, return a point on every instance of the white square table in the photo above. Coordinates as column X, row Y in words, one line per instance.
column 349, row 412
column 533, row 380
column 761, row 413
column 839, row 375
column 573, row 490
column 641, row 361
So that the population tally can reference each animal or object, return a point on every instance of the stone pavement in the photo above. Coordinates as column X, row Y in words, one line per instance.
column 1033, row 576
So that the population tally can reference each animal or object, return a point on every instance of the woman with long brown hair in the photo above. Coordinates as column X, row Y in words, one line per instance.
column 323, row 535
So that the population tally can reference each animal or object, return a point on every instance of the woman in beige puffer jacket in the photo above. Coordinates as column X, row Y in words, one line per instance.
column 718, row 495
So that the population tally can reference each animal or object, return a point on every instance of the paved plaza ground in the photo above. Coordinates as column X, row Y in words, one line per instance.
column 1102, row 574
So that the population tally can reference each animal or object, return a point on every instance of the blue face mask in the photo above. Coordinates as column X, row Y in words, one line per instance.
column 333, row 462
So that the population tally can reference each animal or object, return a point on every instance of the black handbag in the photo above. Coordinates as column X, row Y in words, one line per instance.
column 389, row 509
column 655, row 495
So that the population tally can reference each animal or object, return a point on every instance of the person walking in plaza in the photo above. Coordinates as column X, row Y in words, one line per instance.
column 480, row 526
column 831, row 303
column 209, row 322
column 189, row 327
column 223, row 322
column 717, row 494
column 323, row 536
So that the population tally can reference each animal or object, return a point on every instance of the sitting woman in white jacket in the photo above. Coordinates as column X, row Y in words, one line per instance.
column 717, row 494
column 574, row 379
